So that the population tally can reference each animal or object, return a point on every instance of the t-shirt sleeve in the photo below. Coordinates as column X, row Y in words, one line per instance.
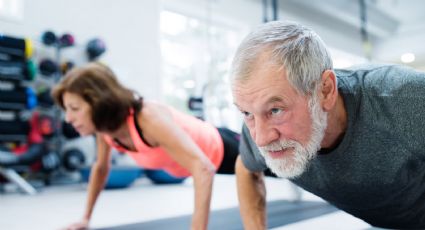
column 249, row 152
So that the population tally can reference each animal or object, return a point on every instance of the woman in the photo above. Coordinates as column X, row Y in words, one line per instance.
column 155, row 135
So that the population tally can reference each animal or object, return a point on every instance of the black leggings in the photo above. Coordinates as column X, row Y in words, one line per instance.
column 231, row 150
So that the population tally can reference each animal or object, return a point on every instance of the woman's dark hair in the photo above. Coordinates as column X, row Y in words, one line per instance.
column 97, row 84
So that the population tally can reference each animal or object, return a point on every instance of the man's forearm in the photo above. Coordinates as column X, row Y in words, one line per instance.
column 252, row 197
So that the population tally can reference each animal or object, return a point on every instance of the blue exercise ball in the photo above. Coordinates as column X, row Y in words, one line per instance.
column 119, row 176
column 162, row 177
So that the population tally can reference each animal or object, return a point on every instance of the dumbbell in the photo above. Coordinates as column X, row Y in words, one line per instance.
column 14, row 127
column 31, row 70
column 29, row 48
column 17, row 98
column 9, row 115
column 18, row 70
column 15, row 49
column 73, row 159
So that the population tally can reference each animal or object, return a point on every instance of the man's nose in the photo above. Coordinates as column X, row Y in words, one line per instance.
column 264, row 134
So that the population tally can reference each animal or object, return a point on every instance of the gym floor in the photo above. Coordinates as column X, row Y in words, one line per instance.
column 55, row 206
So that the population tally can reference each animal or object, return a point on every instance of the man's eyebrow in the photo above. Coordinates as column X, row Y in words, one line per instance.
column 269, row 101
column 275, row 99
column 237, row 106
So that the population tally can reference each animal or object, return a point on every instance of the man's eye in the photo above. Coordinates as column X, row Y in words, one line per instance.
column 276, row 111
column 247, row 115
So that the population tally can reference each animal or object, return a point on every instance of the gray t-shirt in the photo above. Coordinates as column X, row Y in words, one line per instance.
column 377, row 172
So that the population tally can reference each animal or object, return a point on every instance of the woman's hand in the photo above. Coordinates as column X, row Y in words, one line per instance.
column 80, row 225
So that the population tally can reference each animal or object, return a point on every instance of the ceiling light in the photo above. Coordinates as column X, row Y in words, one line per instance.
column 407, row 57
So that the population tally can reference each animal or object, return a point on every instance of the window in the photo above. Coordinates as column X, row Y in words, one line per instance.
column 196, row 57
column 11, row 10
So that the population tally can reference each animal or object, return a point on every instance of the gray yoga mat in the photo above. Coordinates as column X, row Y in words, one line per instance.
column 279, row 213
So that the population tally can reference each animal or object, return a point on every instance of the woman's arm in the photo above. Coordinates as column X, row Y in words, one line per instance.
column 159, row 127
column 98, row 176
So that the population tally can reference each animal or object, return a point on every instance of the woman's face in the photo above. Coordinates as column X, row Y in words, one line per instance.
column 78, row 113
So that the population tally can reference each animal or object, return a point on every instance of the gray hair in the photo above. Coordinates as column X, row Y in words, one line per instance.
column 288, row 45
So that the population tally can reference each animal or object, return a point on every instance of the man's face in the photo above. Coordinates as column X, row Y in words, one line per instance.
column 286, row 129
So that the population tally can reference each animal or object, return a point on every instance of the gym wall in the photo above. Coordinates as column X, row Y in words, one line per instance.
column 129, row 28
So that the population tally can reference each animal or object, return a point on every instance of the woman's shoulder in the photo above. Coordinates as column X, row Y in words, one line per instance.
column 153, row 109
column 149, row 105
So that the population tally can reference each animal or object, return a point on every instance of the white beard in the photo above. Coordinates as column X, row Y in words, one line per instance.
column 296, row 162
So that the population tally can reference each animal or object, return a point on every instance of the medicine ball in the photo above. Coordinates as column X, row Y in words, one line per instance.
column 95, row 48
column 49, row 38
column 48, row 67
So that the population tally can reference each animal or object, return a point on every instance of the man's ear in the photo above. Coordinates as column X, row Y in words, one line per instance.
column 328, row 92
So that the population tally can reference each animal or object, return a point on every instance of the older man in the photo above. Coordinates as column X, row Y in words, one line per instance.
column 354, row 137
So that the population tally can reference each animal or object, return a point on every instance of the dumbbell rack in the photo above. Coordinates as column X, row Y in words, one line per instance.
column 55, row 142
column 14, row 81
column 16, row 98
column 71, row 158
column 50, row 47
